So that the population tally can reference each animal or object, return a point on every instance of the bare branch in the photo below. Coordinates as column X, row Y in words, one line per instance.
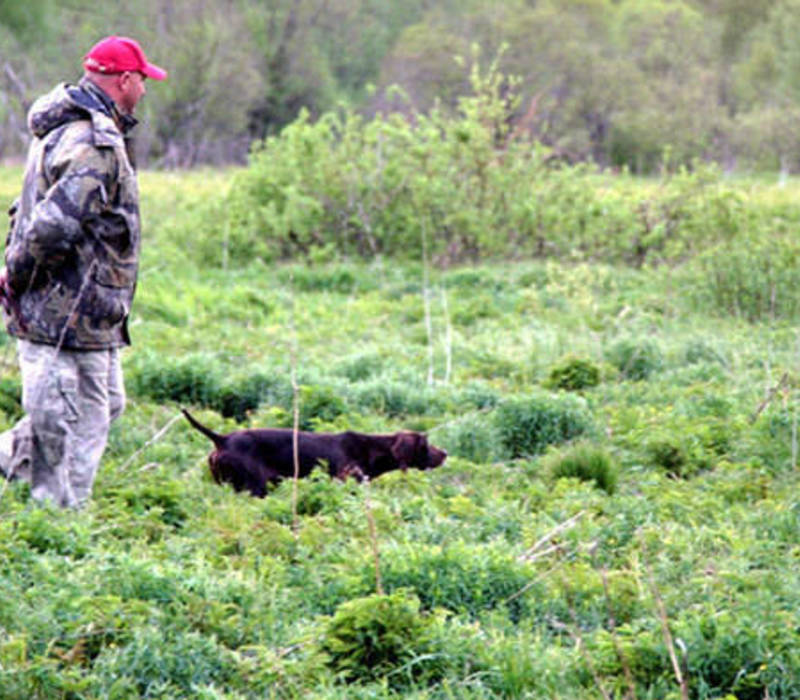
column 784, row 381
column 17, row 85
column 156, row 437
column 448, row 338
column 662, row 615
column 295, row 411
column 532, row 553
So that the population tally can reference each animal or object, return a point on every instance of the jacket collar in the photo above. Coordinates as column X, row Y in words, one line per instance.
column 104, row 104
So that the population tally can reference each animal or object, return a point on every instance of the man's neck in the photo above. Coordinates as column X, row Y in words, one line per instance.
column 125, row 122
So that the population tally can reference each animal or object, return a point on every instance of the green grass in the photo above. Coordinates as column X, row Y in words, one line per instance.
column 494, row 565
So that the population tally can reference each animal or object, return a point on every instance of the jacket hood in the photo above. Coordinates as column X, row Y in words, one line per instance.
column 68, row 103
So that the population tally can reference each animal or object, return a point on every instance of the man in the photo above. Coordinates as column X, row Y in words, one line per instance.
column 71, row 265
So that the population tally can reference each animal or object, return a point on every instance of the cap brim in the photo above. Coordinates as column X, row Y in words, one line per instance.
column 155, row 72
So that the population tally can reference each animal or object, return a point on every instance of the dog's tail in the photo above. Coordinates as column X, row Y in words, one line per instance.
column 216, row 438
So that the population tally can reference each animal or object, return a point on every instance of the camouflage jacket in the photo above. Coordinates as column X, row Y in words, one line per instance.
column 72, row 251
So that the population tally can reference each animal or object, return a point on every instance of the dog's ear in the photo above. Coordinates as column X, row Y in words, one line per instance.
column 406, row 447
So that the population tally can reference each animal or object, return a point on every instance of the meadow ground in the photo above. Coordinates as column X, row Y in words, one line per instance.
column 618, row 513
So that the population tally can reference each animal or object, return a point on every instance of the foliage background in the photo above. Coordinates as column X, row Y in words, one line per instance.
column 611, row 361
column 617, row 437
column 611, row 81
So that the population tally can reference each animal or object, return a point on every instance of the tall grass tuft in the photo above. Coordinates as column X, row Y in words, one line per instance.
column 381, row 636
column 528, row 424
column 586, row 462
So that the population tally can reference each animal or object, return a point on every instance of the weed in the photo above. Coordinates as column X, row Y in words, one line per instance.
column 169, row 585
column 46, row 532
column 11, row 397
column 586, row 462
column 465, row 579
column 573, row 374
column 381, row 636
column 527, row 425
column 474, row 437
column 636, row 359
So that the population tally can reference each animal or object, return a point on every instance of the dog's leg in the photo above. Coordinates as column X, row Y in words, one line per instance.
column 351, row 469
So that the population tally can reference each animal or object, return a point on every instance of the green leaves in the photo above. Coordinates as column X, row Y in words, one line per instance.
column 666, row 444
column 528, row 424
column 380, row 636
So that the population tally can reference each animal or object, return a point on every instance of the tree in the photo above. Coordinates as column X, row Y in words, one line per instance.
column 424, row 63
column 213, row 83
column 294, row 71
column 676, row 104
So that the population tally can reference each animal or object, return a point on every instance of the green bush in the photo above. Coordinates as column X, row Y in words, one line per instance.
column 700, row 350
column 586, row 462
column 467, row 579
column 573, row 374
column 395, row 398
column 165, row 498
column 319, row 404
column 11, row 397
column 528, row 424
column 685, row 446
column 316, row 494
column 134, row 578
column 636, row 359
column 202, row 380
column 689, row 212
column 361, row 367
column 470, row 309
column 639, row 648
column 344, row 185
column 381, row 636
column 332, row 278
column 192, row 379
column 477, row 394
column 239, row 396
column 44, row 532
column 771, row 438
column 670, row 454
column 474, row 437
column 734, row 652
column 756, row 279
column 159, row 664
column 728, row 653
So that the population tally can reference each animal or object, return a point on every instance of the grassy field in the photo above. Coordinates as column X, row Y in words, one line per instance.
column 619, row 510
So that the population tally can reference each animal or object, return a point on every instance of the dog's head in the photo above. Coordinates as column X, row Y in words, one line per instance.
column 413, row 450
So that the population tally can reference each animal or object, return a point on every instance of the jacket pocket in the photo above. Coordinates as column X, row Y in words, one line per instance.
column 120, row 276
column 108, row 302
column 68, row 390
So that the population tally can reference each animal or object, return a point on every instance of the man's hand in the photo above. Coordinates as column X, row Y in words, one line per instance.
column 6, row 295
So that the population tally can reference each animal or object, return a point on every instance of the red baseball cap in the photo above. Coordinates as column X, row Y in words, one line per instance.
column 117, row 54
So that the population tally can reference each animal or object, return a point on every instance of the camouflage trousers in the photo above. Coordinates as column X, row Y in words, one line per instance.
column 70, row 399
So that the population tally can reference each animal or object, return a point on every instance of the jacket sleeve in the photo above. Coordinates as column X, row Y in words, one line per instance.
column 79, row 182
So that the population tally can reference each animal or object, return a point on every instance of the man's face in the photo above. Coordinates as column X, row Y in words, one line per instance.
column 131, row 90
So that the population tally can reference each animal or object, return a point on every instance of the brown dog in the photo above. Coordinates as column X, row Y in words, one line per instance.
column 252, row 459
